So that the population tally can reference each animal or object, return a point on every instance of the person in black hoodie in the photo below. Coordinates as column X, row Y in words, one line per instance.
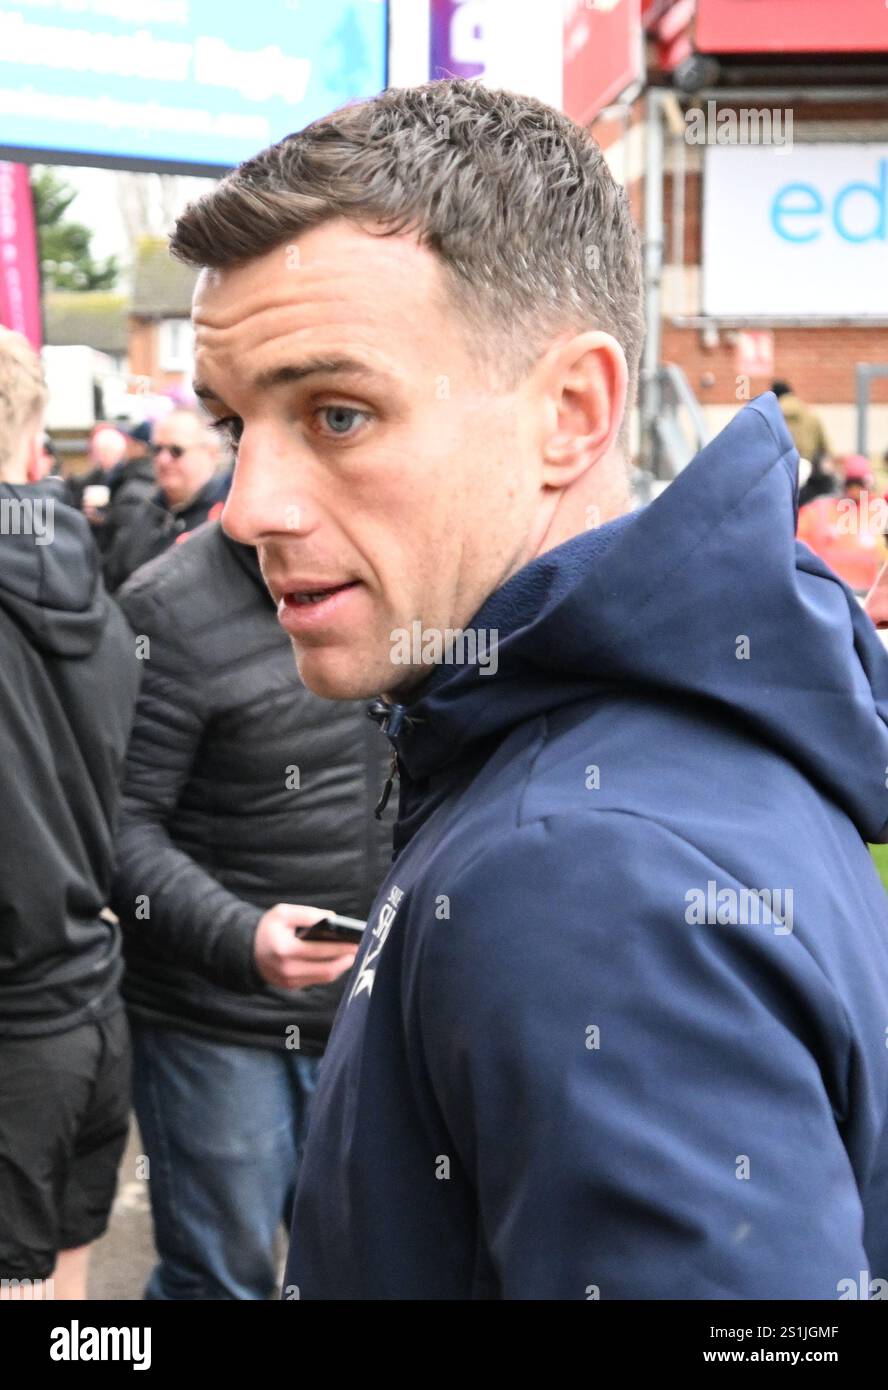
column 189, row 491
column 248, row 807
column 67, row 691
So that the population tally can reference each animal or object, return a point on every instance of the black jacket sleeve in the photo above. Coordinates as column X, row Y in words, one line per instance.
column 159, row 891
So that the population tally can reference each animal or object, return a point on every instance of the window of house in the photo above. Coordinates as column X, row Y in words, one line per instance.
column 176, row 345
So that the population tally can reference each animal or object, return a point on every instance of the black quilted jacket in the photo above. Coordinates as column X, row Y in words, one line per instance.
column 242, row 789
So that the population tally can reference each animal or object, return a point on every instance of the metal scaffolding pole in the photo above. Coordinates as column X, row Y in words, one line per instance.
column 649, row 388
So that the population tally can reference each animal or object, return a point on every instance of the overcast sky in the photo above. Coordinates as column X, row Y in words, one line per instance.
column 97, row 205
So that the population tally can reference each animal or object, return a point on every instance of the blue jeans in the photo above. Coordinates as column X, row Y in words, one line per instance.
column 223, row 1128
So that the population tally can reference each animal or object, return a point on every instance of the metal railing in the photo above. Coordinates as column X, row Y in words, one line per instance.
column 865, row 372
column 678, row 428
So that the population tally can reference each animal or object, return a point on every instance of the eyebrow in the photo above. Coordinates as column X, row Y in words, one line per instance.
column 292, row 372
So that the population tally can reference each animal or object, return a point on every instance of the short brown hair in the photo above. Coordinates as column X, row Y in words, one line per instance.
column 517, row 201
column 23, row 393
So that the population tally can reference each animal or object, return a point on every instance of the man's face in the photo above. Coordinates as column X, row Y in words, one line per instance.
column 182, row 461
column 378, row 467
column 107, row 447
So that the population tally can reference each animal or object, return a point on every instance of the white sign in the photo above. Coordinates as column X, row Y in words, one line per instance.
column 796, row 231
column 517, row 44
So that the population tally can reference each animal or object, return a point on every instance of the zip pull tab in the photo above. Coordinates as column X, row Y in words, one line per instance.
column 389, row 783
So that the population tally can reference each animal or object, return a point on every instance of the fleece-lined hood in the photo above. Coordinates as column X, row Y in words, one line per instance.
column 49, row 570
column 703, row 594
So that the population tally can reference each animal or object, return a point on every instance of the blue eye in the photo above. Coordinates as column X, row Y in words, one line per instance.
column 340, row 418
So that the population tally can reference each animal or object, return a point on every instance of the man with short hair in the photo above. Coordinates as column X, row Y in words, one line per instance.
column 67, row 689
column 124, row 486
column 88, row 491
column 107, row 446
column 189, row 491
column 617, row 1026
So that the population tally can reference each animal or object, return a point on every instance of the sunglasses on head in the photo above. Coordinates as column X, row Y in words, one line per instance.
column 175, row 449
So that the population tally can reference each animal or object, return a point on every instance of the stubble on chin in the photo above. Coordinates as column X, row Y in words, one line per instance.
column 329, row 681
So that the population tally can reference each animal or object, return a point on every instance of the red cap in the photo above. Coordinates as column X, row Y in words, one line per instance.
column 857, row 468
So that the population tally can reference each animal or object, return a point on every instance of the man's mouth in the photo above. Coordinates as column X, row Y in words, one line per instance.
column 299, row 598
column 310, row 606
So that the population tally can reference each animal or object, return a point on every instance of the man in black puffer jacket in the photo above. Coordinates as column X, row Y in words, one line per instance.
column 67, row 690
column 244, row 795
column 189, row 491
column 131, row 484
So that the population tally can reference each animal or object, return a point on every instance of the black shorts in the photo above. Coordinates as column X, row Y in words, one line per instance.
column 64, row 1119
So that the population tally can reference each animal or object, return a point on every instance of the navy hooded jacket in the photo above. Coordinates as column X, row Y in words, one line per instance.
column 619, row 1027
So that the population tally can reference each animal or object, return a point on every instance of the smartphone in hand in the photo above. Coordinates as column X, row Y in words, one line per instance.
column 349, row 930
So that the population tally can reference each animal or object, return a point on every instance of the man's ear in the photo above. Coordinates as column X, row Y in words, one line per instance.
column 586, row 383
column 34, row 457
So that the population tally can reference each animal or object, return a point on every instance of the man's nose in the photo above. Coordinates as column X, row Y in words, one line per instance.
column 262, row 501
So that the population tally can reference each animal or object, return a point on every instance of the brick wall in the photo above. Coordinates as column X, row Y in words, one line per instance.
column 819, row 362
column 143, row 356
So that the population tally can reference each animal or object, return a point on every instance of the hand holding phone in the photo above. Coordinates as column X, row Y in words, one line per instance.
column 287, row 961
column 333, row 927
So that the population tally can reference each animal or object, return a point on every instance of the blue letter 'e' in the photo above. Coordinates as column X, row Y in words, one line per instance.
column 779, row 210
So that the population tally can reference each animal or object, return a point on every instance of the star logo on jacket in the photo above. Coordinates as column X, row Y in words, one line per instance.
column 367, row 973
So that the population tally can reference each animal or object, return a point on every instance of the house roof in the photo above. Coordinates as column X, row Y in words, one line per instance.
column 96, row 318
column 162, row 287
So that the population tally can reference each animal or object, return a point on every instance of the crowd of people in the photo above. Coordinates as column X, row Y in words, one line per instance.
column 149, row 485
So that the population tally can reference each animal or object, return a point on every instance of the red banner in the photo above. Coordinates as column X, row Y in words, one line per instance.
column 602, row 54
column 792, row 26
column 19, row 274
column 754, row 355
